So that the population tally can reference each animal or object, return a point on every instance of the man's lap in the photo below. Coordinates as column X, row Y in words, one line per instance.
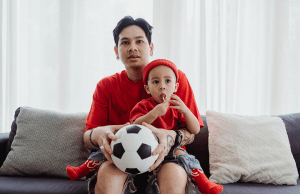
column 147, row 182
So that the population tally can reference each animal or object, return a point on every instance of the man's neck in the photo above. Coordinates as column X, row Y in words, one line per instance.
column 135, row 73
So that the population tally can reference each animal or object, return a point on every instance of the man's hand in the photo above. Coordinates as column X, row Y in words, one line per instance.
column 103, row 135
column 166, row 141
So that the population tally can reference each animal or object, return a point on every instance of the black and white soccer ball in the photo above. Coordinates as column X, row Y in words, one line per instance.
column 133, row 147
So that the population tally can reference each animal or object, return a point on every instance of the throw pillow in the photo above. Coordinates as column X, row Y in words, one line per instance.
column 46, row 142
column 249, row 149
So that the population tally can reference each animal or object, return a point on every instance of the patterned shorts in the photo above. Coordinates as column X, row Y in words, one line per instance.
column 151, row 185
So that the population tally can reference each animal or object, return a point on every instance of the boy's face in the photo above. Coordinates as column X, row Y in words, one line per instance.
column 133, row 47
column 161, row 83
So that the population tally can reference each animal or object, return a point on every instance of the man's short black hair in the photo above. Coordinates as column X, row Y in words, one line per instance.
column 129, row 21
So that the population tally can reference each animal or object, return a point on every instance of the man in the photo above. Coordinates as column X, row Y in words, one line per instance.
column 113, row 100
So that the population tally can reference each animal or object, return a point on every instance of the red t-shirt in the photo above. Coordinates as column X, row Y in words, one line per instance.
column 173, row 119
column 116, row 95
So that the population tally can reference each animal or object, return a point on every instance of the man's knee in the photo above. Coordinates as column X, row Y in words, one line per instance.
column 172, row 178
column 109, row 179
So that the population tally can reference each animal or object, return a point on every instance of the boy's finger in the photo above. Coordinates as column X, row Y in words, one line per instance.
column 175, row 107
column 174, row 102
column 175, row 96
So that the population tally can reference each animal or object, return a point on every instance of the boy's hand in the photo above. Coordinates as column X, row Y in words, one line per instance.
column 161, row 109
column 178, row 104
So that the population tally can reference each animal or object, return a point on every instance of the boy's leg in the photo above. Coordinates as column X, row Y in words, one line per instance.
column 75, row 173
column 205, row 186
column 90, row 165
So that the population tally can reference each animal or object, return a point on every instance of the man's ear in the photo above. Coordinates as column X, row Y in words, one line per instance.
column 151, row 49
column 176, row 87
column 147, row 89
column 117, row 52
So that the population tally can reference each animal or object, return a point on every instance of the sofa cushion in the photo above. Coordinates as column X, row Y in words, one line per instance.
column 45, row 143
column 256, row 188
column 292, row 124
column 249, row 149
column 45, row 185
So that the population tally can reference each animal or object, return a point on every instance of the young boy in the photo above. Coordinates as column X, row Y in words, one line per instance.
column 160, row 80
column 166, row 110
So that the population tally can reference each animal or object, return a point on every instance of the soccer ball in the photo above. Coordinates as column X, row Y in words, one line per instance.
column 133, row 147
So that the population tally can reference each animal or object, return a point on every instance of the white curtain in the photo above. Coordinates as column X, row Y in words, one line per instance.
column 240, row 57
column 53, row 52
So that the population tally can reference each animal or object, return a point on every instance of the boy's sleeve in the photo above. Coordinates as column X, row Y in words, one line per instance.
column 137, row 111
column 186, row 94
column 181, row 120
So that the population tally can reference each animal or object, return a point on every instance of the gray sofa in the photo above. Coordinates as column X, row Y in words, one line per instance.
column 199, row 148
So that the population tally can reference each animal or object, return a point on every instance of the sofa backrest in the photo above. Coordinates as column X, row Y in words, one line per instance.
column 199, row 148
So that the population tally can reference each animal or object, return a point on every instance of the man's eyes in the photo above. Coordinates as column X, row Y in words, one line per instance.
column 125, row 42
column 155, row 82
column 168, row 81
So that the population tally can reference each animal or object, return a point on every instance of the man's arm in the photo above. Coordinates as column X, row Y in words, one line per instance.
column 166, row 141
column 100, row 136
column 187, row 137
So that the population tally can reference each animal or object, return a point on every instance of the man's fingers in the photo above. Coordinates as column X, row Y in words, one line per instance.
column 107, row 155
column 160, row 148
column 113, row 129
column 107, row 147
column 111, row 136
column 153, row 129
column 118, row 127
column 157, row 162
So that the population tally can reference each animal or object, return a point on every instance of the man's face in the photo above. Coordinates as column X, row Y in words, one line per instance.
column 161, row 83
column 133, row 47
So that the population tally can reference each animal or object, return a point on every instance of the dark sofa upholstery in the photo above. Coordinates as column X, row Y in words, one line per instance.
column 199, row 148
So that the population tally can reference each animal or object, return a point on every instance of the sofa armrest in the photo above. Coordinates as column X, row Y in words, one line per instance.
column 3, row 143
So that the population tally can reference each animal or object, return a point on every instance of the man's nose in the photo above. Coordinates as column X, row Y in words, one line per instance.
column 133, row 47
